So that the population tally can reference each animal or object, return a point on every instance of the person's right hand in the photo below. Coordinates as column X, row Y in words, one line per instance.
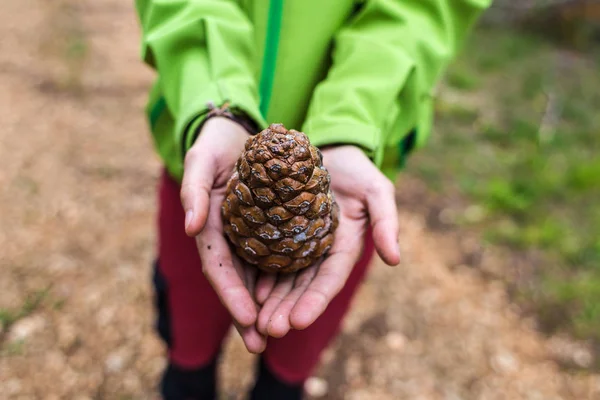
column 208, row 166
column 365, row 196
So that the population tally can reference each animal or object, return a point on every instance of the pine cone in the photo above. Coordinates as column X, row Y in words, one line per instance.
column 279, row 213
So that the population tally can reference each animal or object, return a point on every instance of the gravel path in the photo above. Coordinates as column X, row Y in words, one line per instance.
column 77, row 209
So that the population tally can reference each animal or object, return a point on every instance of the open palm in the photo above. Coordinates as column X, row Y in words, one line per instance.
column 208, row 166
column 364, row 196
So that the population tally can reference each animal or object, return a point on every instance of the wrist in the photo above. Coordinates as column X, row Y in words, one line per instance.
column 345, row 147
column 224, row 126
column 236, row 116
column 227, row 119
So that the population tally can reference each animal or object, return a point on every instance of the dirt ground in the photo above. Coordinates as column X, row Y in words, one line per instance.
column 77, row 236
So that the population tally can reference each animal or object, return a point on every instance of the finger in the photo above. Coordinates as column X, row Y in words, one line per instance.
column 331, row 277
column 218, row 266
column 284, row 285
column 250, row 272
column 255, row 342
column 264, row 286
column 198, row 178
column 241, row 271
column 280, row 322
column 383, row 213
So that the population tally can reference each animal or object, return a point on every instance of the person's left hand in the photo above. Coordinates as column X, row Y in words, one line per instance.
column 364, row 195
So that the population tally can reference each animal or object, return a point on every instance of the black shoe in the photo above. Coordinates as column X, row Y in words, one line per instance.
column 269, row 387
column 185, row 384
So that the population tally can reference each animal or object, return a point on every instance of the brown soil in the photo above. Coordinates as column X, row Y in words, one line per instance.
column 77, row 237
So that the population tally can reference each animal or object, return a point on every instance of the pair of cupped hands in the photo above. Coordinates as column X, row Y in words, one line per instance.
column 262, row 304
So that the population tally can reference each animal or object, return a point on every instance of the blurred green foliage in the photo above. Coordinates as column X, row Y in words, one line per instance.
column 31, row 304
column 518, row 133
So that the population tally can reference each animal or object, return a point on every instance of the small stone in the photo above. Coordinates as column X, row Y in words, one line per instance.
column 535, row 395
column 55, row 360
column 13, row 387
column 26, row 327
column 69, row 378
column 316, row 387
column 569, row 351
column 156, row 366
column 105, row 316
column 62, row 263
column 596, row 385
column 328, row 355
column 132, row 382
column 452, row 395
column 353, row 366
column 583, row 357
column 67, row 334
column 474, row 213
column 116, row 360
column 447, row 216
column 114, row 363
column 504, row 363
column 395, row 341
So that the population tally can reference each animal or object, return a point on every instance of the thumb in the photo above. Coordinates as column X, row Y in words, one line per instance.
column 381, row 205
column 198, row 178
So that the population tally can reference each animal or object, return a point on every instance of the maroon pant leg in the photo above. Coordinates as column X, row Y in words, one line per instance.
column 294, row 357
column 199, row 322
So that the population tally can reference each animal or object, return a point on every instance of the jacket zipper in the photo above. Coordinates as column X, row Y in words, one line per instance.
column 270, row 54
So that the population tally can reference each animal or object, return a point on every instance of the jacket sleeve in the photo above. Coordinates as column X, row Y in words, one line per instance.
column 386, row 62
column 203, row 53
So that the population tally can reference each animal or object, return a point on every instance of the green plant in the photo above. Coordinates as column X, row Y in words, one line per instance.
column 539, row 191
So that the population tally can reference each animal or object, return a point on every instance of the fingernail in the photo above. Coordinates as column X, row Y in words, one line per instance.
column 189, row 214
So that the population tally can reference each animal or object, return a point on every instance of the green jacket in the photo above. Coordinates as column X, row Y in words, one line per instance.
column 342, row 71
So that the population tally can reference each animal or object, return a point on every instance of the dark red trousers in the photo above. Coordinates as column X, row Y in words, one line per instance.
column 198, row 322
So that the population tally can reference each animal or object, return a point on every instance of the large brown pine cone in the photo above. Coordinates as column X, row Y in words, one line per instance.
column 279, row 213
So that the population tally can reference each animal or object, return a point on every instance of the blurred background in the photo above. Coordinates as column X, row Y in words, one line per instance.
column 499, row 294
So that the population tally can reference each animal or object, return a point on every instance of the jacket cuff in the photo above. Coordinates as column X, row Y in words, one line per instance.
column 195, row 113
column 324, row 133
